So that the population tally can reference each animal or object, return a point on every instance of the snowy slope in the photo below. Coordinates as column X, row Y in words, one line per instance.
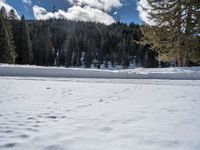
column 138, row 73
column 99, row 114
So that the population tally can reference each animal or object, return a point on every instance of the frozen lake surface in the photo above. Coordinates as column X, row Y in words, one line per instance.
column 99, row 114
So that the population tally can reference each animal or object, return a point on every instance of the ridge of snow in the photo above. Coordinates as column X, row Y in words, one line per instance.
column 187, row 73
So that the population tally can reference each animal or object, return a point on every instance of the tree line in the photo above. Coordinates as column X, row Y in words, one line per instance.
column 69, row 43
column 58, row 42
column 172, row 41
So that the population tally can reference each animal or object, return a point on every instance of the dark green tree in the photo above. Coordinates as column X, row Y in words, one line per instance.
column 23, row 44
column 3, row 12
column 12, row 15
column 7, row 50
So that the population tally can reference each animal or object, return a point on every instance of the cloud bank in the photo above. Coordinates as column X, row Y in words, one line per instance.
column 7, row 7
column 82, row 10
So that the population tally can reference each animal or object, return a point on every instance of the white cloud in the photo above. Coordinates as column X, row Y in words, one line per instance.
column 82, row 10
column 143, row 8
column 7, row 7
column 28, row 2
column 75, row 13
column 105, row 5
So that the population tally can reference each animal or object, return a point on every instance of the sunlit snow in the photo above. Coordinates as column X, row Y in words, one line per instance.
column 99, row 114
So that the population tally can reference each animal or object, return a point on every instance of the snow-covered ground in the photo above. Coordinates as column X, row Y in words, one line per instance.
column 99, row 114
column 192, row 73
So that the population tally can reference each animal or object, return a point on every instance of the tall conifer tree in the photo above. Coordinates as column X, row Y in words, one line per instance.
column 24, row 50
column 7, row 50
column 176, row 29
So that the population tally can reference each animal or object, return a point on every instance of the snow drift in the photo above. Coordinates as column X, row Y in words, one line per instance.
column 192, row 73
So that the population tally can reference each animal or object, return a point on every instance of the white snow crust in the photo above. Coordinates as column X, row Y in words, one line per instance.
column 192, row 73
column 99, row 114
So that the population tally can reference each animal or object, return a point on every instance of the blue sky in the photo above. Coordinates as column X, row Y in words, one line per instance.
column 127, row 12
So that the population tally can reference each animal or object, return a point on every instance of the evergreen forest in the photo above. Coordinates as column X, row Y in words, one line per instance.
column 173, row 41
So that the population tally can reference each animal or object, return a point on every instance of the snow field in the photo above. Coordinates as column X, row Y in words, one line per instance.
column 95, row 114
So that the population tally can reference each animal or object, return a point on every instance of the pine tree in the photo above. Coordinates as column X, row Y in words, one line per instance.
column 7, row 50
column 23, row 44
column 42, row 48
column 12, row 15
column 176, row 29
column 3, row 12
column 48, row 47
column 68, row 51
column 54, row 8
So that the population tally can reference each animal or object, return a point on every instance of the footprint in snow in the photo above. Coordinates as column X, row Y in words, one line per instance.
column 31, row 118
column 54, row 147
column 23, row 136
column 106, row 129
column 195, row 100
column 32, row 129
column 8, row 145
column 51, row 117
column 7, row 131
column 101, row 100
